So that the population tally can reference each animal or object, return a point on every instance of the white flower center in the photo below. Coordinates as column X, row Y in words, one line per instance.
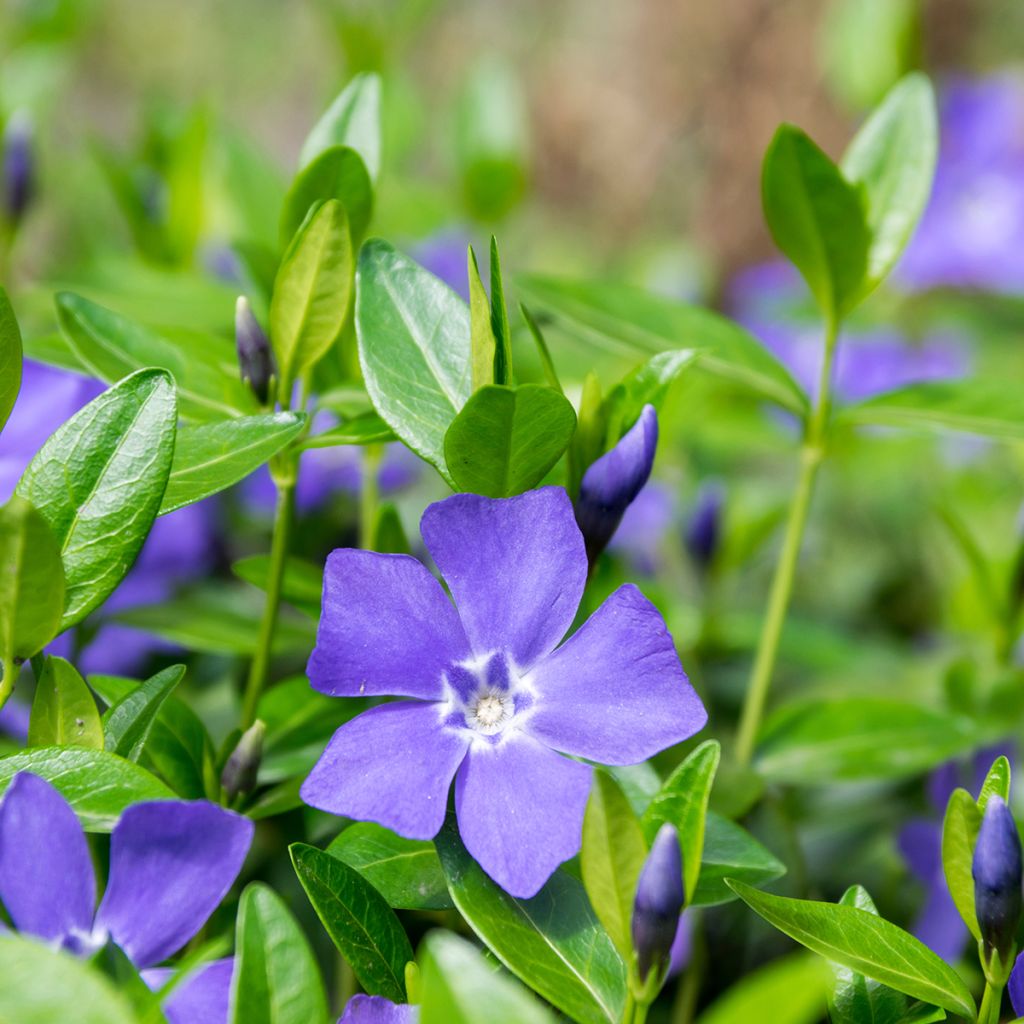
column 489, row 710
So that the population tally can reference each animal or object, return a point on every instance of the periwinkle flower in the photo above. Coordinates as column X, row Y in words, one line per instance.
column 255, row 356
column 612, row 482
column 363, row 1009
column 996, row 869
column 1015, row 986
column 19, row 171
column 171, row 864
column 704, row 528
column 495, row 701
column 659, row 901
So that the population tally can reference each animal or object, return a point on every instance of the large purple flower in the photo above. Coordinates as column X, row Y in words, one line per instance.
column 171, row 863
column 496, row 701
column 377, row 1010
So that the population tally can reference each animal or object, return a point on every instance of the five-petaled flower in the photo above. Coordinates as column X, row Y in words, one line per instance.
column 496, row 702
column 171, row 863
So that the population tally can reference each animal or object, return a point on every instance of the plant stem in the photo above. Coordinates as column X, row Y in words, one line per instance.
column 991, row 1004
column 812, row 452
column 630, row 1008
column 283, row 514
column 369, row 495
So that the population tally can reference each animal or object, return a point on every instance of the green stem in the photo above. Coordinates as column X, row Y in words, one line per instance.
column 811, row 454
column 991, row 1004
column 640, row 1013
column 630, row 1008
column 369, row 495
column 283, row 515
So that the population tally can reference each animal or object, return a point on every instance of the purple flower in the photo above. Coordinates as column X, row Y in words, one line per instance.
column 659, row 903
column 495, row 701
column 704, row 529
column 445, row 256
column 1015, row 986
column 996, row 870
column 255, row 356
column 377, row 1010
column 19, row 172
column 171, row 863
column 612, row 482
column 644, row 525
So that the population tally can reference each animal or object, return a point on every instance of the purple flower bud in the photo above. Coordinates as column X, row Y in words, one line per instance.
column 659, row 902
column 1015, row 986
column 255, row 356
column 703, row 531
column 997, row 877
column 614, row 480
column 19, row 177
column 239, row 774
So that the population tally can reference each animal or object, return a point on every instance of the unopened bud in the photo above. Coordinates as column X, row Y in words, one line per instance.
column 255, row 356
column 659, row 901
column 704, row 530
column 612, row 482
column 996, row 869
column 242, row 767
column 19, row 170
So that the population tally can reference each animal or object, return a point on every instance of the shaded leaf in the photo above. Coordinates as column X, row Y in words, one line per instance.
column 10, row 358
column 64, row 713
column 353, row 120
column 337, row 175
column 127, row 724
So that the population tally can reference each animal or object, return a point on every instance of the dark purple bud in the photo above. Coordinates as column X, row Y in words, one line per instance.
column 704, row 530
column 255, row 357
column 659, row 903
column 1015, row 986
column 997, row 877
column 19, row 170
column 242, row 767
column 614, row 480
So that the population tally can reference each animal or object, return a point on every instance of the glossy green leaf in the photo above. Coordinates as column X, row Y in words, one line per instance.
column 358, row 919
column 550, row 373
column 127, row 724
column 731, row 852
column 683, row 801
column 10, row 358
column 813, row 742
column 31, row 581
column 210, row 457
column 98, row 785
column 500, row 327
column 43, row 985
column 553, row 942
column 817, row 219
column 481, row 330
column 276, row 979
column 98, row 482
column 337, row 175
column 414, row 348
column 611, row 857
column 505, row 439
column 893, row 158
column 793, row 988
column 406, row 872
column 64, row 713
column 959, row 834
column 457, row 983
column 629, row 320
column 647, row 384
column 366, row 429
column 312, row 292
column 354, row 120
column 866, row 944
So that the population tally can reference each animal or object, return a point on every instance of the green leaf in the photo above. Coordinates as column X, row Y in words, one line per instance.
column 611, row 857
column 64, row 713
column 542, row 348
column 505, row 439
column 817, row 219
column 211, row 457
column 312, row 292
column 481, row 329
column 109, row 347
column 366, row 429
column 457, row 982
column 646, row 385
column 31, row 581
column 629, row 320
column 817, row 741
column 406, row 872
column 98, row 785
column 414, row 349
column 893, row 158
column 276, row 979
column 127, row 724
column 388, row 532
column 997, row 783
column 959, row 834
column 337, row 175
column 793, row 988
column 731, row 852
column 358, row 919
column 98, row 482
column 683, row 802
column 866, row 944
column 301, row 586
column 499, row 321
column 353, row 120
column 10, row 358
column 553, row 942
column 42, row 985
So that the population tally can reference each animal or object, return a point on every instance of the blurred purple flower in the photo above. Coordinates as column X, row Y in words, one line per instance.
column 377, row 1010
column 766, row 298
column 969, row 236
column 644, row 524
column 496, row 701
column 171, row 864
column 445, row 256
column 704, row 528
column 19, row 170
column 14, row 717
column 1015, row 986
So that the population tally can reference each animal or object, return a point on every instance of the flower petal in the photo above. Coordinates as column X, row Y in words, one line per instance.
column 171, row 863
column 615, row 692
column 515, row 566
column 386, row 628
column 204, row 997
column 47, row 882
column 376, row 1010
column 393, row 765
column 520, row 809
column 1015, row 986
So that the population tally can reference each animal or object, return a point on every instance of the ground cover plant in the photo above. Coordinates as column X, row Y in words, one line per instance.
column 389, row 637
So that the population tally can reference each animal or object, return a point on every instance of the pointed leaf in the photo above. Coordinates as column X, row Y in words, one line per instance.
column 959, row 834
column 64, row 713
column 127, row 724
column 481, row 329
column 354, row 120
column 731, row 852
column 338, row 174
column 499, row 321
column 10, row 358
